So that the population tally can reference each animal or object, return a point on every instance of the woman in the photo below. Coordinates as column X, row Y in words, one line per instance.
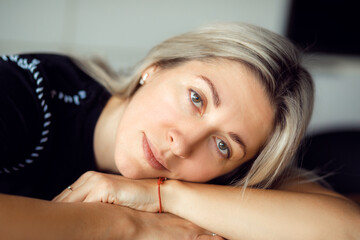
column 228, row 103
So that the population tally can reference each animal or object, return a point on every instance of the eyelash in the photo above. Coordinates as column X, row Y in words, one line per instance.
column 228, row 154
column 194, row 94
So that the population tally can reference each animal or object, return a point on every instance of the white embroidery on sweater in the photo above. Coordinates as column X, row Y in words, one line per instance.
column 70, row 99
column 32, row 68
column 67, row 98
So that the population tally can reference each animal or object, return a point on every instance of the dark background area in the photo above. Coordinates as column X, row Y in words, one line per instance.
column 325, row 26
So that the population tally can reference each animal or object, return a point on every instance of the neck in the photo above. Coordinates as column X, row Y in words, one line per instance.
column 105, row 134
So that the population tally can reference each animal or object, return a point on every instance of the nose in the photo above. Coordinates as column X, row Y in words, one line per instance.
column 178, row 143
column 182, row 143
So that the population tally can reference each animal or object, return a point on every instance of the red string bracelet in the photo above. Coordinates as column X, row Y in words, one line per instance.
column 160, row 181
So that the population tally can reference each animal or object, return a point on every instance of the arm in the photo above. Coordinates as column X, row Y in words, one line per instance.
column 305, row 211
column 298, row 211
column 27, row 218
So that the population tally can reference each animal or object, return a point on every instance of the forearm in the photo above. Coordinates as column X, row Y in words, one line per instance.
column 261, row 214
column 26, row 218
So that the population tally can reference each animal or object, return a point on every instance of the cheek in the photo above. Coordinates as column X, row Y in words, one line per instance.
column 152, row 111
column 148, row 107
column 163, row 109
column 201, row 167
column 201, row 173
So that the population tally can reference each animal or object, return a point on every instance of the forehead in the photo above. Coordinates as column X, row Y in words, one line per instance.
column 244, row 105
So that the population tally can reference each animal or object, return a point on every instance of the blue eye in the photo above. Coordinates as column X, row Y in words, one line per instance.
column 222, row 147
column 196, row 99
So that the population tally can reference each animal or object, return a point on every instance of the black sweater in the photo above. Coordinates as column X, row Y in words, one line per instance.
column 48, row 112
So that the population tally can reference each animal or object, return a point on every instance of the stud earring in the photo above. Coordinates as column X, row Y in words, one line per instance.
column 143, row 78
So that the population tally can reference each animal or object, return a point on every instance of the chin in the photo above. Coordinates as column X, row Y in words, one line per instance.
column 129, row 171
column 132, row 175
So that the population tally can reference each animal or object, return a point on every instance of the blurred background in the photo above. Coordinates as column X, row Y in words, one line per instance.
column 123, row 31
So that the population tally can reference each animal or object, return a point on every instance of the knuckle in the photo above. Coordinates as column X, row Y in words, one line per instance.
column 187, row 237
column 102, row 181
column 89, row 173
column 96, row 176
column 106, row 183
column 196, row 237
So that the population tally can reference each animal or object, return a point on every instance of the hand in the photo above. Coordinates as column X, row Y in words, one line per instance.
column 136, row 194
column 167, row 226
column 108, row 188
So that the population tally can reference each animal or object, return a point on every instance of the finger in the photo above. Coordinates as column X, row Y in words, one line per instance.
column 78, row 194
column 209, row 237
column 71, row 196
column 83, row 179
column 62, row 195
column 76, row 185
column 93, row 187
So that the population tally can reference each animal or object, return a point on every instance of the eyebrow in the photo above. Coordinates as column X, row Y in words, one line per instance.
column 236, row 138
column 215, row 95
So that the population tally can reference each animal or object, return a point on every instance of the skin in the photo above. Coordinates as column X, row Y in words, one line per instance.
column 296, row 211
column 105, row 221
column 28, row 218
column 184, row 133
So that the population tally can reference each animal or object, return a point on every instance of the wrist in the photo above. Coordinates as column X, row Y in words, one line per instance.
column 171, row 195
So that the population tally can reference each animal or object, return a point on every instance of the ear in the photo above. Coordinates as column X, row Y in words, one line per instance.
column 149, row 72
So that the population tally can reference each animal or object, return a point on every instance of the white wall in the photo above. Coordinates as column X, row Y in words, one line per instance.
column 123, row 31
column 337, row 101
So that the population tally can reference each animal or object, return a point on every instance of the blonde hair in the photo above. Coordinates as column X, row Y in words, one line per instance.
column 276, row 61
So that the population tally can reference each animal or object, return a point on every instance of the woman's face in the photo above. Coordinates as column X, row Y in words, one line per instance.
column 194, row 122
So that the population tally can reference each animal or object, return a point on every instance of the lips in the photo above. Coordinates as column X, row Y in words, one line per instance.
column 149, row 155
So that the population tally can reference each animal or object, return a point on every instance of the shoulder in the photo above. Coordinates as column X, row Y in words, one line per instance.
column 43, row 97
column 58, row 74
column 24, row 79
column 51, row 65
column 21, row 114
column 31, row 69
column 31, row 62
column 25, row 102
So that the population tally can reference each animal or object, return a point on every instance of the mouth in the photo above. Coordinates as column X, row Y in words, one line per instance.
column 149, row 155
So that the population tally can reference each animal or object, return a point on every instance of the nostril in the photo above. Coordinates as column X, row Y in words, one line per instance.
column 171, row 139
